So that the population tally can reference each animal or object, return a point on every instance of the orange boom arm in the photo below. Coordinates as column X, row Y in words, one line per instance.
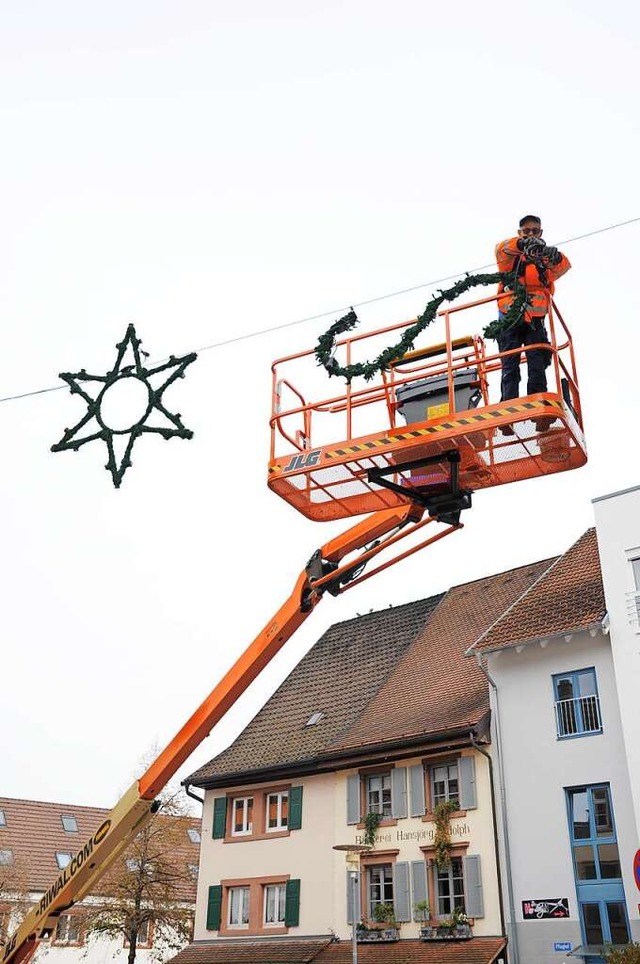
column 324, row 572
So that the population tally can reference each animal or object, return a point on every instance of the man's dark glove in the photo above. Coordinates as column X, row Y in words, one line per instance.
column 533, row 247
column 552, row 254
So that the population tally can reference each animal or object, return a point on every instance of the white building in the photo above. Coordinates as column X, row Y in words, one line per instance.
column 564, row 670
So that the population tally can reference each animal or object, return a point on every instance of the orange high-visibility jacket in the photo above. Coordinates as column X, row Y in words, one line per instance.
column 510, row 258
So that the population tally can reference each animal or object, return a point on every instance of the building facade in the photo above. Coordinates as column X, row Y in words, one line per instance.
column 380, row 733
column 559, row 667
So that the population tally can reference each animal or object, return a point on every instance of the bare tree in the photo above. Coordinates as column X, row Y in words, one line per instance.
column 14, row 895
column 149, row 892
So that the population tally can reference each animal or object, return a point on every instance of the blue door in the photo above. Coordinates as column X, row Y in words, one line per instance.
column 596, row 862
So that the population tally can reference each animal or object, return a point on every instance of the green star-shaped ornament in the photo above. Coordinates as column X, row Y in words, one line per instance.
column 175, row 366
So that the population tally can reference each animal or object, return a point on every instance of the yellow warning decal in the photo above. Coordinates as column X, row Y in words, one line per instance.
column 484, row 415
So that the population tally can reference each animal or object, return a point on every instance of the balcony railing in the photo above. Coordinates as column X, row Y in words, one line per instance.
column 578, row 715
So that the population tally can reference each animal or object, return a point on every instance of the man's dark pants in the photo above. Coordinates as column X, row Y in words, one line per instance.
column 523, row 334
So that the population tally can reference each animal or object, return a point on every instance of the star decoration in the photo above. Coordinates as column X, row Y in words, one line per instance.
column 172, row 370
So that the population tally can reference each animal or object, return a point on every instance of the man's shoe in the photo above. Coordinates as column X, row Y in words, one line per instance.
column 506, row 430
column 543, row 424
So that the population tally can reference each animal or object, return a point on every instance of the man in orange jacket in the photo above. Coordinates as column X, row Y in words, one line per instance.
column 537, row 267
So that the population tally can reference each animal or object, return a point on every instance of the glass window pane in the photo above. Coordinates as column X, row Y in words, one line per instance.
column 284, row 810
column 439, row 785
column 239, row 906
column 635, row 563
column 274, row 904
column 580, row 815
column 565, row 688
column 602, row 812
column 587, row 683
column 453, row 782
column 609, row 861
column 585, row 863
column 380, row 886
column 374, row 794
column 618, row 923
column 592, row 924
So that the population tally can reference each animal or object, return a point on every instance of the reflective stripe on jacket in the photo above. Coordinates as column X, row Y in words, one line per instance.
column 509, row 258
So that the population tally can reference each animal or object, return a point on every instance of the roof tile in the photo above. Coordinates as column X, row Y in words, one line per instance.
column 566, row 598
column 34, row 833
column 337, row 677
column 434, row 688
column 478, row 950
column 247, row 951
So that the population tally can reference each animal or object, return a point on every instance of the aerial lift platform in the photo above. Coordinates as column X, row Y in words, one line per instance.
column 407, row 452
column 389, row 441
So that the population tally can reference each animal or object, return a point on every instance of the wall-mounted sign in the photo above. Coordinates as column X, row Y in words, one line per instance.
column 562, row 946
column 636, row 868
column 546, row 908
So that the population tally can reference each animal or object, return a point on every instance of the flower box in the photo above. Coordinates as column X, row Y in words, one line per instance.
column 382, row 934
column 461, row 932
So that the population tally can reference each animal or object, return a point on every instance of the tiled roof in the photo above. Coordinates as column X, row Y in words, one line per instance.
column 434, row 688
column 478, row 950
column 34, row 833
column 566, row 598
column 337, row 677
column 391, row 676
column 266, row 951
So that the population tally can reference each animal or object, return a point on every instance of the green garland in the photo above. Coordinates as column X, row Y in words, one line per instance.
column 326, row 342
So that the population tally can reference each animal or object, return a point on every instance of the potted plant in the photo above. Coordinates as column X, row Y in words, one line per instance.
column 384, row 915
column 422, row 913
column 445, row 928
column 462, row 928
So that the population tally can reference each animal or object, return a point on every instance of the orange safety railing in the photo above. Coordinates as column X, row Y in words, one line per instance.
column 326, row 433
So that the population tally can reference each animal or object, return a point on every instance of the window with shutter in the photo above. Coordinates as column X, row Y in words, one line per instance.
column 292, row 904
column 420, row 894
column 214, row 906
column 401, row 899
column 467, row 772
column 295, row 808
column 474, row 902
column 417, row 794
column 399, row 792
column 219, row 817
column 353, row 798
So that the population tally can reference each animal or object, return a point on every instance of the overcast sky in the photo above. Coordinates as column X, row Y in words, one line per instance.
column 209, row 169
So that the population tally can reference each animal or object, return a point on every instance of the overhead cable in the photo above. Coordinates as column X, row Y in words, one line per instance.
column 338, row 311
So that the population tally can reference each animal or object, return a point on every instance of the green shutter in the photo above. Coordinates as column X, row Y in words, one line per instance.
column 214, row 906
column 292, row 904
column 295, row 808
column 219, row 817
